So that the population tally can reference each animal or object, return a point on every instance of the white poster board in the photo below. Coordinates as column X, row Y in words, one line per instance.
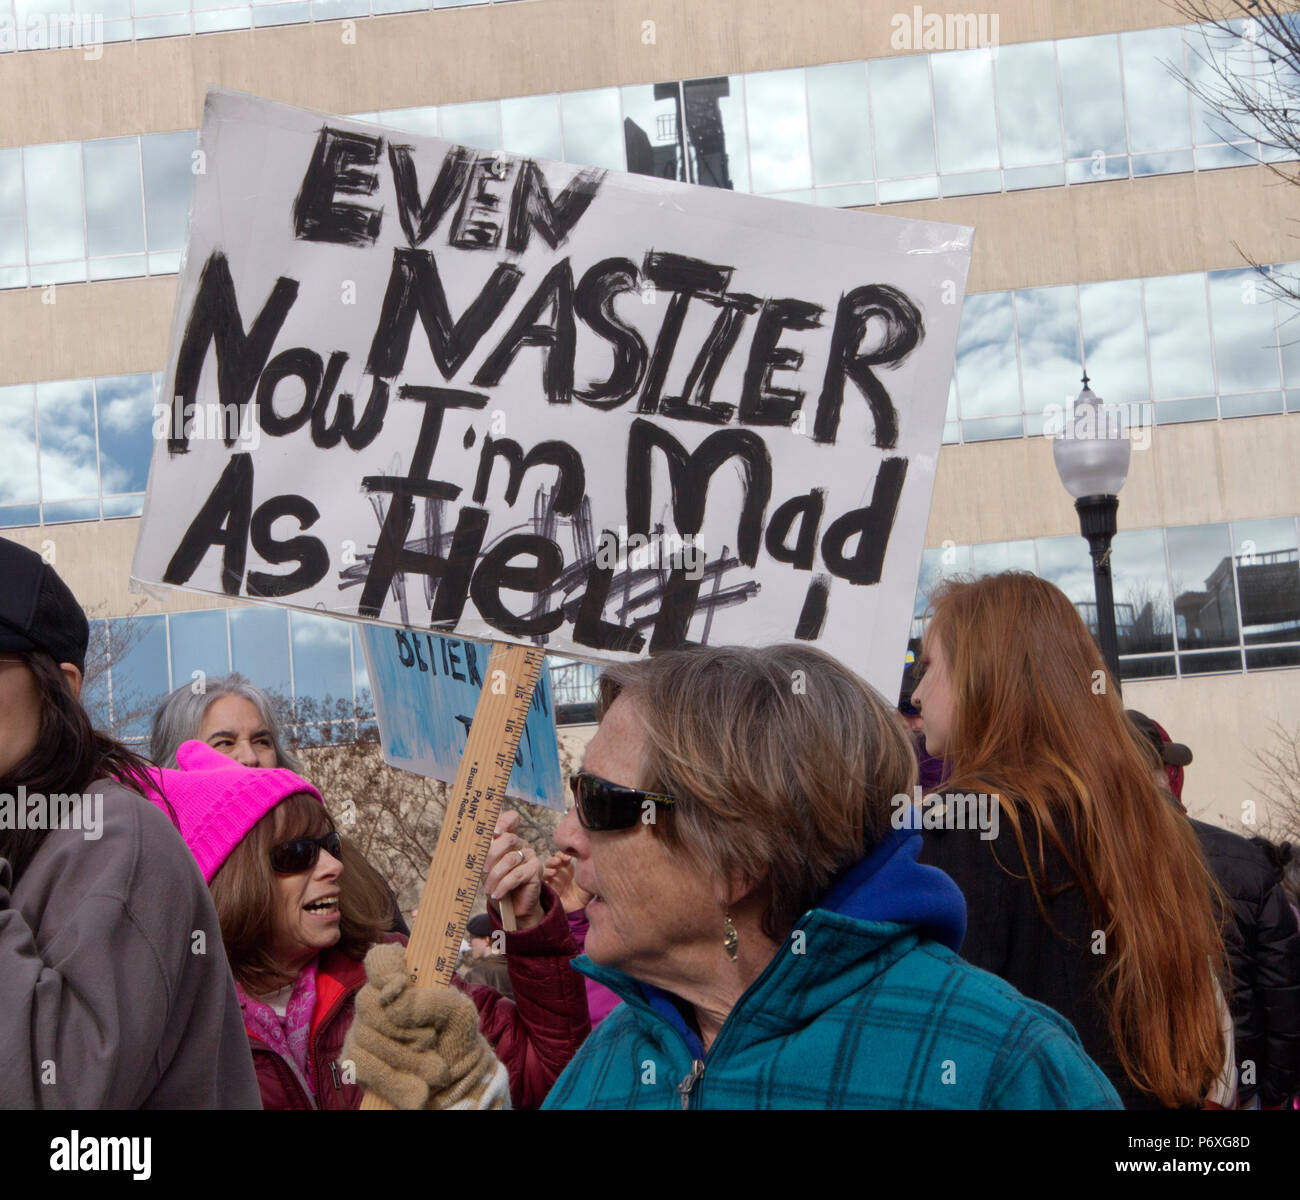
column 425, row 385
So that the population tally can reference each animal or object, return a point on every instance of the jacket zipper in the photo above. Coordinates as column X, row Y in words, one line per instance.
column 334, row 1075
column 684, row 1088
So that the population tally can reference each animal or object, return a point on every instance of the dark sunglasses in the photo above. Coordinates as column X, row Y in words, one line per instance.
column 602, row 805
column 301, row 854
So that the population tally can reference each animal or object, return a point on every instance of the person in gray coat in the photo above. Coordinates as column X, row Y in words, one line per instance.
column 115, row 991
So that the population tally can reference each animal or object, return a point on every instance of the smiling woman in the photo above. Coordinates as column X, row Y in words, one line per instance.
column 305, row 936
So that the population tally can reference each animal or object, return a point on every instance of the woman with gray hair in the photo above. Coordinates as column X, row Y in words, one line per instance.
column 743, row 824
column 235, row 718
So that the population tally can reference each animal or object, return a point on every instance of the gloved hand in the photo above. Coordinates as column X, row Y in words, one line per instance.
column 420, row 1047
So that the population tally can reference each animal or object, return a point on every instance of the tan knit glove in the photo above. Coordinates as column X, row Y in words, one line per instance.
column 420, row 1047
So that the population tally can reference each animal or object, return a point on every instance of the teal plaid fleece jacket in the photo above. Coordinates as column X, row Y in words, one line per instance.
column 866, row 1005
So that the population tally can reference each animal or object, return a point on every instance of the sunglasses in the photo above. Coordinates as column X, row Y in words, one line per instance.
column 301, row 854
column 603, row 806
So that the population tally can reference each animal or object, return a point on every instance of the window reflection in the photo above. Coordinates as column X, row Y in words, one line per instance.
column 471, row 124
column 13, row 252
column 52, row 177
column 963, row 111
column 1048, row 323
column 198, row 641
column 778, row 131
column 1156, row 99
column 66, row 419
column 138, row 678
column 1092, row 96
column 531, row 126
column 259, row 647
column 988, row 558
column 1028, row 112
column 1142, row 605
column 1205, row 603
column 322, row 662
column 651, row 131
column 1245, row 340
column 714, row 113
column 838, row 118
column 1178, row 332
column 593, row 133
column 166, row 159
column 114, row 211
column 1114, row 346
column 125, row 409
column 1268, row 579
column 901, row 117
column 18, row 481
column 987, row 380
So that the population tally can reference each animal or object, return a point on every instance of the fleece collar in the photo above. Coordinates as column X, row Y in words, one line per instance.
column 857, row 929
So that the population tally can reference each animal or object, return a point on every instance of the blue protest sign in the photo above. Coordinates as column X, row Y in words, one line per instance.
column 426, row 689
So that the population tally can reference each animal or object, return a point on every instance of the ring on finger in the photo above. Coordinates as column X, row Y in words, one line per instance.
column 521, row 854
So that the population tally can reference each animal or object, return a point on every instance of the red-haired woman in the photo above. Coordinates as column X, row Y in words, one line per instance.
column 1091, row 896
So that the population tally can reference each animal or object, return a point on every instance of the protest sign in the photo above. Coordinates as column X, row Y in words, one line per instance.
column 456, row 388
column 426, row 689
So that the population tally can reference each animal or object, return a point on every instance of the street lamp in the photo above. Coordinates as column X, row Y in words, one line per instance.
column 1092, row 457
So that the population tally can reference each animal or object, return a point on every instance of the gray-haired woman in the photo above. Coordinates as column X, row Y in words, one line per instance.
column 235, row 718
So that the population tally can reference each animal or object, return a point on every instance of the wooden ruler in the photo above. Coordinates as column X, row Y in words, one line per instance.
column 473, row 808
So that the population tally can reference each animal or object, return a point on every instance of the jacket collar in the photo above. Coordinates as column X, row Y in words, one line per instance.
column 871, row 916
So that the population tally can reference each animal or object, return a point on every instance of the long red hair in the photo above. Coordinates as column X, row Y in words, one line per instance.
column 1037, row 717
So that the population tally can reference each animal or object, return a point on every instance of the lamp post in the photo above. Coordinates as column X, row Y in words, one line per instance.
column 1092, row 459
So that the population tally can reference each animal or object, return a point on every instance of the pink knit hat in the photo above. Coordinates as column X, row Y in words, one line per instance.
column 217, row 800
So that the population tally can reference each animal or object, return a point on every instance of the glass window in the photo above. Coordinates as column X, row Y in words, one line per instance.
column 1092, row 96
column 1209, row 51
column 259, row 648
column 412, row 120
column 1028, row 112
column 838, row 117
column 1205, row 602
column 1064, row 561
column 1155, row 99
column 1245, row 339
column 963, row 111
column 593, row 128
column 937, row 564
column 901, row 118
column 1047, row 320
column 476, row 124
column 94, row 688
column 1114, row 345
column 322, row 665
column 1137, row 564
column 13, row 250
column 138, row 655
column 988, row 558
column 199, row 644
column 52, row 175
column 125, row 405
column 361, row 677
column 65, row 414
column 1268, row 579
column 1178, row 328
column 715, row 131
column 987, row 380
column 778, row 131
column 650, row 130
column 114, row 211
column 18, row 481
column 530, row 125
column 167, row 160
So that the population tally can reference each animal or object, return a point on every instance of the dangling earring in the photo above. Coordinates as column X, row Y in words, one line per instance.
column 730, row 941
